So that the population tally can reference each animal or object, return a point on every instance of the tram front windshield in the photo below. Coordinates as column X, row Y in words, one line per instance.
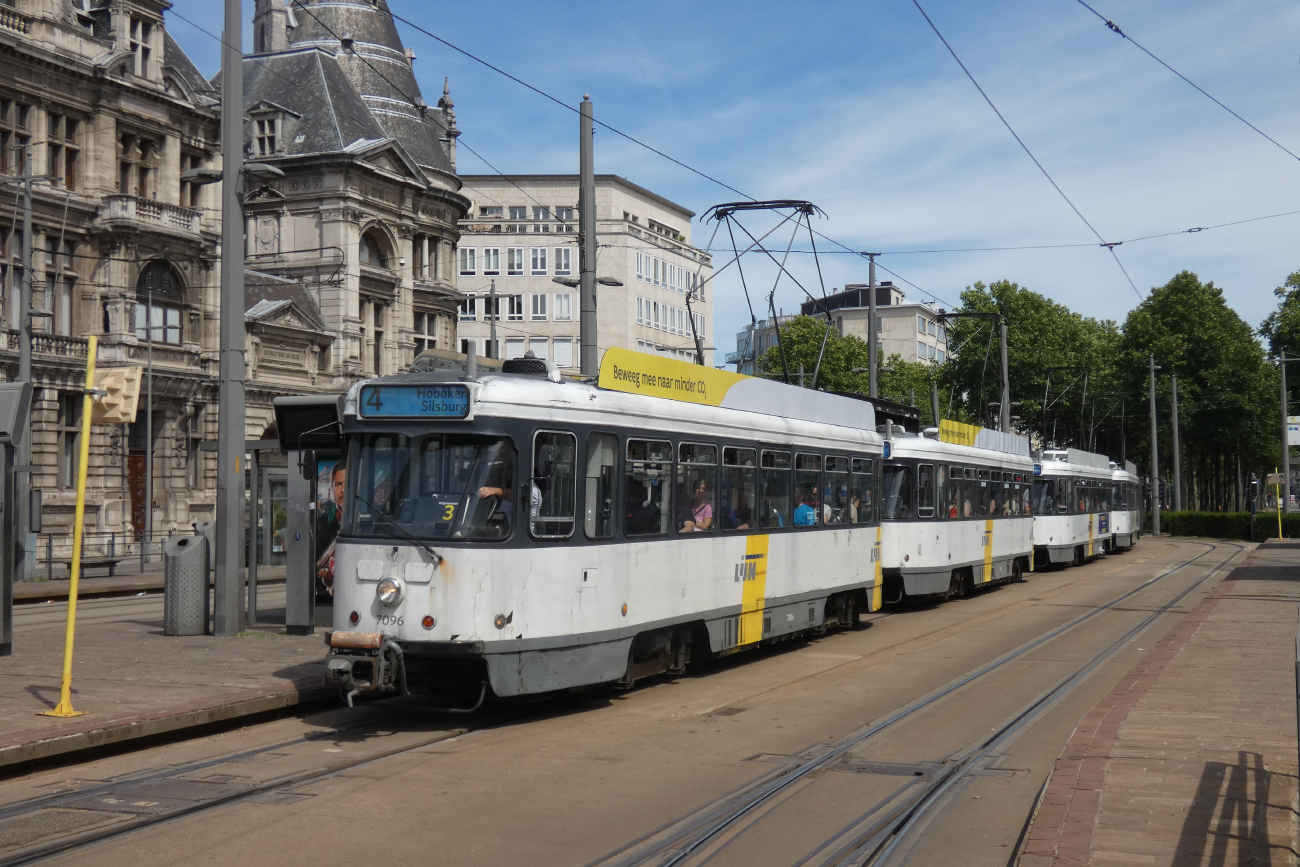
column 434, row 486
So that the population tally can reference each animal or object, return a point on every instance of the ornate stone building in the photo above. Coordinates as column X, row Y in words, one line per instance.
column 364, row 221
column 99, row 102
column 348, row 255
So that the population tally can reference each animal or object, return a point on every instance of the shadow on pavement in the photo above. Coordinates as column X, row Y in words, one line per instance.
column 1228, row 820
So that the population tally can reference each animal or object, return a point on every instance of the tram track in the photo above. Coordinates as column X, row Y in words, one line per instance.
column 873, row 837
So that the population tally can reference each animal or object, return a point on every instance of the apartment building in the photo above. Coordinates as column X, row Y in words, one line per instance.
column 909, row 329
column 518, row 261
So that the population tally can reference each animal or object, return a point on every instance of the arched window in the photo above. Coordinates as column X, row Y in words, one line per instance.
column 158, row 296
column 373, row 250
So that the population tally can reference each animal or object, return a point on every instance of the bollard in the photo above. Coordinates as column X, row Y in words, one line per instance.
column 185, row 585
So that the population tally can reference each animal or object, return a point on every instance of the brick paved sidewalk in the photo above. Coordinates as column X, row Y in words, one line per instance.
column 1191, row 758
column 134, row 681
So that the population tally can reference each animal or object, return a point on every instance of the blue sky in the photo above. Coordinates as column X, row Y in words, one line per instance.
column 860, row 109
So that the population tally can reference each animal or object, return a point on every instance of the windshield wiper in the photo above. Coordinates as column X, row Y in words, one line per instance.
column 404, row 533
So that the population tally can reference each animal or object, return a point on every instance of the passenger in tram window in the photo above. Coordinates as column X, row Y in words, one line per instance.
column 702, row 507
column 640, row 516
column 805, row 514
column 952, row 501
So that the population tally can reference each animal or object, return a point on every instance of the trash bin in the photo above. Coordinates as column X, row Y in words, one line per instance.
column 185, row 585
column 208, row 530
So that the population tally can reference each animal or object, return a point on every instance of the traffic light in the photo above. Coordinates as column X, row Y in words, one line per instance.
column 122, row 394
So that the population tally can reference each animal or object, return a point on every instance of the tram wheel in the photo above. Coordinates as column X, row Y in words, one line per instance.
column 957, row 586
column 1078, row 556
column 1017, row 571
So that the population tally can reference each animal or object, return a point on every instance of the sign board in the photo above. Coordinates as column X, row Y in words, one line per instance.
column 440, row 400
column 1293, row 430
column 15, row 400
column 957, row 433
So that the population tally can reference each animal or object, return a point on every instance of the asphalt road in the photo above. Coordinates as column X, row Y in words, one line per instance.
column 792, row 755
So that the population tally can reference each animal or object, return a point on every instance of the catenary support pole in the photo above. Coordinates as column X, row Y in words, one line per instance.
column 492, row 312
column 589, row 358
column 1004, row 420
column 148, row 424
column 228, row 608
column 934, row 399
column 1286, row 448
column 873, row 339
column 25, row 553
column 1155, row 454
column 64, row 707
column 1177, row 456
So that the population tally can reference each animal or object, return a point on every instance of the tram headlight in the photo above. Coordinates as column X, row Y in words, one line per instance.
column 389, row 592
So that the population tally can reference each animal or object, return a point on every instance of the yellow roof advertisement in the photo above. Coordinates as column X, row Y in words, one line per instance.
column 958, row 433
column 656, row 376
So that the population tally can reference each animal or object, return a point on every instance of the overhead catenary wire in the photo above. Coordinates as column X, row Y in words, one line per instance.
column 1025, row 147
column 1114, row 28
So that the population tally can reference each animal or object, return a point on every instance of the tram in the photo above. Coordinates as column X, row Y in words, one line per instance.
column 1126, row 506
column 955, row 510
column 524, row 534
column 1071, row 505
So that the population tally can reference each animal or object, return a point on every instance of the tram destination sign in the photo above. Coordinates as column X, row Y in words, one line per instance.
column 414, row 401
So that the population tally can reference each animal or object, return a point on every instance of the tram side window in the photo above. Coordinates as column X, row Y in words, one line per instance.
column 925, row 491
column 552, row 488
column 774, row 490
column 645, row 506
column 807, row 490
column 598, row 493
column 897, row 494
column 739, row 472
column 697, row 479
column 862, row 492
column 995, row 493
column 835, row 493
column 954, row 492
column 982, row 494
column 1119, row 496
column 940, row 491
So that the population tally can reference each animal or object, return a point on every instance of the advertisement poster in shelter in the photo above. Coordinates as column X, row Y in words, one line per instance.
column 331, row 480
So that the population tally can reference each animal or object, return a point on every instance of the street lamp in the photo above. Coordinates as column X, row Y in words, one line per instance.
column 1282, row 361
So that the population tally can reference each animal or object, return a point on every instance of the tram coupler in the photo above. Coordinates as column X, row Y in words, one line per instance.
column 365, row 662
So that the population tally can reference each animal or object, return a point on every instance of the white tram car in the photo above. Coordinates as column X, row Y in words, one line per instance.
column 1072, row 512
column 954, row 516
column 1126, row 506
column 531, row 535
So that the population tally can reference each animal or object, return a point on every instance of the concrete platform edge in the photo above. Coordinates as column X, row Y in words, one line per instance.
column 63, row 745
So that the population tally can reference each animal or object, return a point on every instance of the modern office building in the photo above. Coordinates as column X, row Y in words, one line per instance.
column 519, row 246
column 909, row 329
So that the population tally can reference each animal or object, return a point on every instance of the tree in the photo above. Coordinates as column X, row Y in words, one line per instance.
column 1041, row 334
column 1226, row 392
column 1282, row 327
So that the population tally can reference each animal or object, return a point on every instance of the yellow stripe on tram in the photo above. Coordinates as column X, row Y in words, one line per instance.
column 754, row 590
column 988, row 550
column 877, row 577
column 1090, row 535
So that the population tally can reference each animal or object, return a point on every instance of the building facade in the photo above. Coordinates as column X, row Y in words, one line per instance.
column 519, row 251
column 349, row 253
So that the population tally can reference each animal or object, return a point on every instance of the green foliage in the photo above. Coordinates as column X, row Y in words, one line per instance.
column 1041, row 334
column 1227, row 525
column 1282, row 327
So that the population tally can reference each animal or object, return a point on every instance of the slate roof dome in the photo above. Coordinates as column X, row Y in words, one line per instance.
column 376, row 65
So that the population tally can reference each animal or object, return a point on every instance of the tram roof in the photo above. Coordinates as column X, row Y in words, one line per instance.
column 929, row 447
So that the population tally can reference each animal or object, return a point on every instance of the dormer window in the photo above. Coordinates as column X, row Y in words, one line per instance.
column 141, row 46
column 267, row 135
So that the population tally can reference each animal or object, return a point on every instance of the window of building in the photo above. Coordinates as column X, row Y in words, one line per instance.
column 517, row 216
column 193, row 453
column 563, row 261
column 426, row 325
column 920, row 349
column 566, row 220
column 491, row 261
column 563, row 347
column 11, row 272
column 939, row 356
column 469, row 309
column 265, row 135
column 158, row 304
column 655, row 311
column 541, row 219
column 467, row 261
column 69, row 436
column 140, row 46
column 15, row 137
column 538, row 261
column 60, row 284
column 190, row 192
column 137, row 162
column 563, row 306
column 381, row 315
column 943, row 334
column 920, row 324
column 514, row 347
column 931, row 327
column 538, row 347
column 489, row 212
column 62, row 149
column 515, row 262
column 640, row 265
column 539, row 307
column 373, row 249
column 515, row 308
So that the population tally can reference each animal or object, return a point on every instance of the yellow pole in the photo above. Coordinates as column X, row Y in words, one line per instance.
column 87, row 410
column 1278, row 488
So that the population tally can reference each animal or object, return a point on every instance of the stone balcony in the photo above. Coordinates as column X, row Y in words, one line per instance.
column 57, row 345
column 132, row 211
column 14, row 22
